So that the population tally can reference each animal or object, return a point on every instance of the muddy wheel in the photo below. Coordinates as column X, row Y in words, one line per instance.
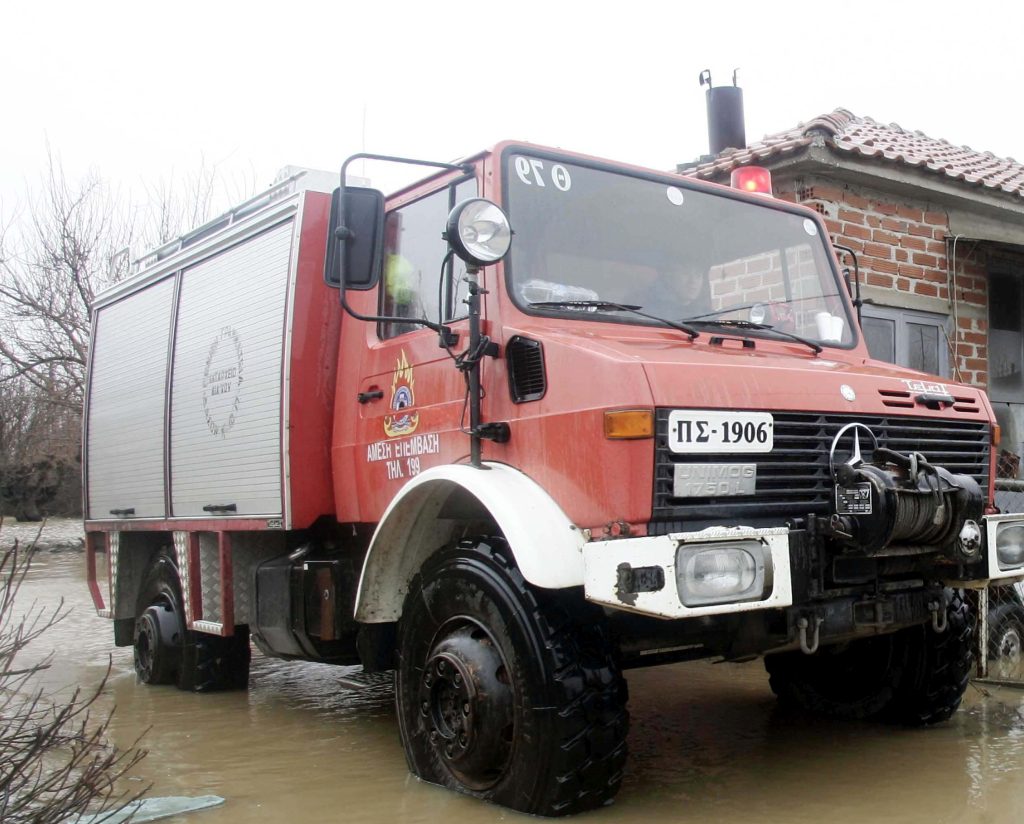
column 856, row 680
column 165, row 652
column 939, row 666
column 508, row 693
column 160, row 628
column 915, row 676
column 212, row 663
column 157, row 644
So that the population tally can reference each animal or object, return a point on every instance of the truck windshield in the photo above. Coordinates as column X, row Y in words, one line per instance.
column 587, row 235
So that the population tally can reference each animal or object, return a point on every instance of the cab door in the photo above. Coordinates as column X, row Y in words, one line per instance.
column 408, row 410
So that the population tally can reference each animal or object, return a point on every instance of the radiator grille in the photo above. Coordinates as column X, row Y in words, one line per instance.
column 793, row 480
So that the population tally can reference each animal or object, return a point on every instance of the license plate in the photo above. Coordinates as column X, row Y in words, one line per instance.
column 695, row 431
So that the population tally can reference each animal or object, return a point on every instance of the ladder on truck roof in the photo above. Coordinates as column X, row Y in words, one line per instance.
column 290, row 179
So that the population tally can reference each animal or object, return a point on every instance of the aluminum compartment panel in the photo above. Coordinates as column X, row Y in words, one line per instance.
column 125, row 438
column 226, row 395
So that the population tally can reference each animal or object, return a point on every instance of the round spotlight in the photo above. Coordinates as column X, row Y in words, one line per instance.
column 479, row 231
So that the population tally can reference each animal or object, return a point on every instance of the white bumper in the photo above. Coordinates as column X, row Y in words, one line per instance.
column 608, row 564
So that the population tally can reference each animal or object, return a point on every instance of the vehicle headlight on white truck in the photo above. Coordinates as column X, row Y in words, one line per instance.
column 1005, row 545
column 721, row 573
column 716, row 571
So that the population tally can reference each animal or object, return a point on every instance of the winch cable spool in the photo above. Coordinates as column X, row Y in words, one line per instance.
column 913, row 502
column 922, row 516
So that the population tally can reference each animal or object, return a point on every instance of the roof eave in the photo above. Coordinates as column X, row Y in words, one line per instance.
column 914, row 182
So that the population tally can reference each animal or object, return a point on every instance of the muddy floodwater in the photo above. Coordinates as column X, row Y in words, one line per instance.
column 311, row 743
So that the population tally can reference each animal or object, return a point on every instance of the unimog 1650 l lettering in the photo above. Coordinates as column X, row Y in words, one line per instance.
column 568, row 417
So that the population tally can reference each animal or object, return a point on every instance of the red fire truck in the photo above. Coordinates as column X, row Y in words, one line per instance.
column 526, row 424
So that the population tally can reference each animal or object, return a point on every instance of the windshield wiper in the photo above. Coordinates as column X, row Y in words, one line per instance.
column 608, row 306
column 749, row 324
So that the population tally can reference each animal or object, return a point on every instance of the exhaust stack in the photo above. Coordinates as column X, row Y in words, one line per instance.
column 726, row 129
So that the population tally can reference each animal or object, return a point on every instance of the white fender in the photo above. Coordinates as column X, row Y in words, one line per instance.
column 547, row 546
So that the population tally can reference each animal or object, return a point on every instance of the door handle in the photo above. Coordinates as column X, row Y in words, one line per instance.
column 373, row 395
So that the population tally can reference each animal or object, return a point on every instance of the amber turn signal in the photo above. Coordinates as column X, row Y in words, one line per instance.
column 626, row 424
column 997, row 434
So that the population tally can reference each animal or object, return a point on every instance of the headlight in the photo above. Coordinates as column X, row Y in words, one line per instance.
column 1010, row 545
column 722, row 573
column 479, row 231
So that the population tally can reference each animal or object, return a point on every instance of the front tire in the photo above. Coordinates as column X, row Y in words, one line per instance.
column 913, row 677
column 939, row 667
column 507, row 693
column 855, row 681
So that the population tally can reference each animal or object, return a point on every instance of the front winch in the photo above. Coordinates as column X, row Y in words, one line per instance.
column 903, row 501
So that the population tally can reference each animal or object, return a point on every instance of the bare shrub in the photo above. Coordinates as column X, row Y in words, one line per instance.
column 56, row 762
column 71, row 240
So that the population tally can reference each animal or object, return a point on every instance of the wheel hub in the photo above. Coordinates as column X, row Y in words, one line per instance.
column 467, row 703
column 146, row 640
column 157, row 636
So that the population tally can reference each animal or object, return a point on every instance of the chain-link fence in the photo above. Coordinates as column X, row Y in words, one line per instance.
column 1001, row 624
column 1003, row 631
column 1009, row 495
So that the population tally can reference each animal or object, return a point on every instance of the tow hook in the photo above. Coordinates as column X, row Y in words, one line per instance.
column 803, row 624
column 940, row 620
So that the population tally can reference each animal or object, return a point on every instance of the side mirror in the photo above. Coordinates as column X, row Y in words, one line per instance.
column 355, row 250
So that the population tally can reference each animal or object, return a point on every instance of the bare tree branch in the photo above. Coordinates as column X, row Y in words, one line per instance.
column 56, row 762
column 71, row 241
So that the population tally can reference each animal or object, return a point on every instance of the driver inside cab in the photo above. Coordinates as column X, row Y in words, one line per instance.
column 681, row 290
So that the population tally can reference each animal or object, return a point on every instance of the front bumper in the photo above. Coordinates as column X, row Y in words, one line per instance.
column 640, row 574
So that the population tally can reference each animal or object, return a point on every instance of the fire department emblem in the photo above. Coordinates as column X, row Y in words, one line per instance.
column 402, row 422
column 222, row 382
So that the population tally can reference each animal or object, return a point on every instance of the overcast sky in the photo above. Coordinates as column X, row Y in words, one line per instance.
column 140, row 92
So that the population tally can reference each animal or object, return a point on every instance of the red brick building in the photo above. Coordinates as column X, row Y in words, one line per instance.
column 938, row 232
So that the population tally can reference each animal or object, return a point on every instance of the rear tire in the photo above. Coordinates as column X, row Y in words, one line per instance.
column 157, row 644
column 508, row 693
column 214, row 664
column 165, row 652
column 160, row 628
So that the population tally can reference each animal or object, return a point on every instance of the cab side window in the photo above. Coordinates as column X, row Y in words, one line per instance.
column 413, row 285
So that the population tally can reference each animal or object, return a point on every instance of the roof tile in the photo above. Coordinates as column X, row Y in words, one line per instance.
column 846, row 132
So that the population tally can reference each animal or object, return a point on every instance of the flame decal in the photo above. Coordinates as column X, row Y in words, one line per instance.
column 402, row 398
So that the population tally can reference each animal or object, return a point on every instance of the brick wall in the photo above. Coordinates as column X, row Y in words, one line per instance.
column 902, row 250
column 972, row 289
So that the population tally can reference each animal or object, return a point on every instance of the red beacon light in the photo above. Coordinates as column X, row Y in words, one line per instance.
column 754, row 179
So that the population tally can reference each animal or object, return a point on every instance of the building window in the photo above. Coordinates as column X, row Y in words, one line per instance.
column 907, row 338
column 1005, row 338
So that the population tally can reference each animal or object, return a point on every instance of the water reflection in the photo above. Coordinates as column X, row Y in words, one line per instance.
column 311, row 743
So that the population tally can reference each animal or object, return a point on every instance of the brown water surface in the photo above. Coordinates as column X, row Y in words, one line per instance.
column 312, row 743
